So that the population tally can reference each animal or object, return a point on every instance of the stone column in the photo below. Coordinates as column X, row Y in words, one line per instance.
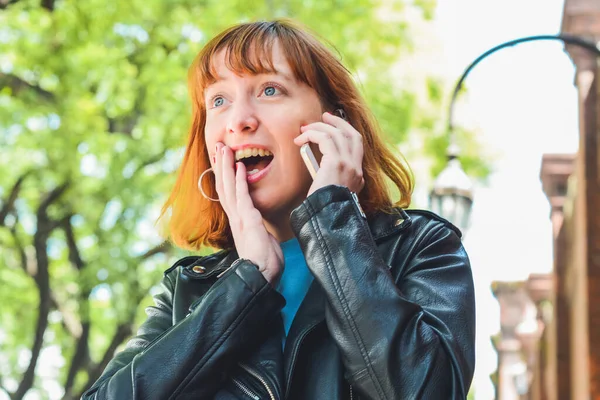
column 582, row 18
column 540, row 288
column 554, row 174
column 515, row 341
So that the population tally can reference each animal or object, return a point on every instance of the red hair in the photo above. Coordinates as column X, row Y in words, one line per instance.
column 195, row 221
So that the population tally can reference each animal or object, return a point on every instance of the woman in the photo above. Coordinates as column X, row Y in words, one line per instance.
column 323, row 289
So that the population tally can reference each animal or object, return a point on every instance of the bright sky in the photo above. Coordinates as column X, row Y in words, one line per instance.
column 523, row 103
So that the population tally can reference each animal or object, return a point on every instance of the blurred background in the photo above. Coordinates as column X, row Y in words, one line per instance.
column 94, row 114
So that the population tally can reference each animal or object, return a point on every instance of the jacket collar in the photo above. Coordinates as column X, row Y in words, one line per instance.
column 384, row 224
column 381, row 225
column 202, row 268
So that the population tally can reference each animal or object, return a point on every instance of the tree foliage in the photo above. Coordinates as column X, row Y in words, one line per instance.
column 93, row 114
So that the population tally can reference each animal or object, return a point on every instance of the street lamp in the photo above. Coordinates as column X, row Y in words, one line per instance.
column 452, row 193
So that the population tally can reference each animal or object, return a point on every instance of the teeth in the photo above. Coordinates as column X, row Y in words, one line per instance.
column 245, row 153
column 254, row 171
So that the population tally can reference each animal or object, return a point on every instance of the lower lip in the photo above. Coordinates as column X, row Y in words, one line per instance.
column 259, row 175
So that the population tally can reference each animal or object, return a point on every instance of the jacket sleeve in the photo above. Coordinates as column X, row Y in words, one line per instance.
column 190, row 359
column 407, row 339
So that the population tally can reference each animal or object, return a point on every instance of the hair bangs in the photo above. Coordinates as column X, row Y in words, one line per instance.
column 249, row 52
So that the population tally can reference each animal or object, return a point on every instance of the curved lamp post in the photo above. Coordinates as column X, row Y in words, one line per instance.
column 452, row 192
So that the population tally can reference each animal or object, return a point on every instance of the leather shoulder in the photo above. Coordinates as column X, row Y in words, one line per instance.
column 208, row 265
column 425, row 218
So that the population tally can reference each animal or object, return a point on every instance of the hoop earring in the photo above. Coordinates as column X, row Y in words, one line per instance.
column 200, row 186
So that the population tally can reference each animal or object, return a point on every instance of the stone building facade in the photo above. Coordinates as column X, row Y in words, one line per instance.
column 549, row 344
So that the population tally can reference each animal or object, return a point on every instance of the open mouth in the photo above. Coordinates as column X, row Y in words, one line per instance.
column 254, row 159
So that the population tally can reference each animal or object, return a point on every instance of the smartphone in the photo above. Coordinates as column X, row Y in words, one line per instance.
column 309, row 159
column 307, row 154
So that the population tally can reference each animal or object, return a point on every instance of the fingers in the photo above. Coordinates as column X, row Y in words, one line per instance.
column 326, row 142
column 348, row 141
column 225, row 181
column 342, row 149
column 232, row 187
column 217, row 168
column 354, row 137
column 228, row 175
column 244, row 204
column 329, row 132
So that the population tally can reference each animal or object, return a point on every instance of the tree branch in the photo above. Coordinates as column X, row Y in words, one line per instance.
column 123, row 331
column 74, row 253
column 42, row 280
column 12, row 197
column 50, row 198
column 80, row 357
column 81, row 354
column 69, row 322
column 5, row 3
column 161, row 248
column 18, row 85
column 151, row 160
column 48, row 5
column 2, row 388
column 22, row 255
column 123, row 125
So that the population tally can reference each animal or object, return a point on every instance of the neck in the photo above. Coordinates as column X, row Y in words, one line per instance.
column 280, row 228
column 277, row 221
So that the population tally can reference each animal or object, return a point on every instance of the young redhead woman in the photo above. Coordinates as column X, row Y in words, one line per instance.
column 324, row 288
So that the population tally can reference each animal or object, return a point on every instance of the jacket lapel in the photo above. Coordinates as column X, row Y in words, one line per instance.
column 310, row 314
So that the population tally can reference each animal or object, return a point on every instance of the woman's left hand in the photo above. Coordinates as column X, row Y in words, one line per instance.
column 342, row 148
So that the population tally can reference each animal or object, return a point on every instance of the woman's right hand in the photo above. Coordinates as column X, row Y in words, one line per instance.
column 252, row 240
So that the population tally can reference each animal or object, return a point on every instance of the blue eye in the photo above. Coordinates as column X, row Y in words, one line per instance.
column 270, row 91
column 217, row 102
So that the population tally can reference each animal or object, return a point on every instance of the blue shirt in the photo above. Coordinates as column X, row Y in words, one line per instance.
column 294, row 283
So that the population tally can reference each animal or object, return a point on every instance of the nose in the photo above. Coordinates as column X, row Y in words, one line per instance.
column 242, row 119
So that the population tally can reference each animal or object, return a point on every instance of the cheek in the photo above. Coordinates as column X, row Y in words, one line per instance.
column 294, row 165
column 211, row 136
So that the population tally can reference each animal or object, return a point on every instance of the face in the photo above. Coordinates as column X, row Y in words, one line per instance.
column 262, row 114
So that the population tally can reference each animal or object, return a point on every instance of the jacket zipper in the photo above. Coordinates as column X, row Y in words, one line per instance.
column 260, row 379
column 245, row 389
column 351, row 393
column 294, row 351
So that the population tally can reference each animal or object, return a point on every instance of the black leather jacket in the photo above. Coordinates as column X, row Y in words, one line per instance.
column 390, row 315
